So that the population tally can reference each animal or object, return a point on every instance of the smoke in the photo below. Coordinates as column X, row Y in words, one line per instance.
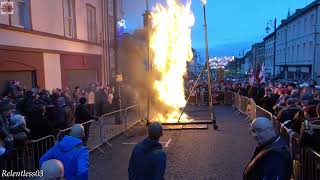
column 133, row 57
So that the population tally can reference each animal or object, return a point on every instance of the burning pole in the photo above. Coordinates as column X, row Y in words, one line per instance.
column 208, row 67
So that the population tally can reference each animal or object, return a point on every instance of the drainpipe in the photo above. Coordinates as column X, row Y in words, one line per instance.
column 103, row 42
column 315, row 47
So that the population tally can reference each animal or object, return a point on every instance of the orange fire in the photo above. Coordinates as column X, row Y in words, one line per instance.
column 170, row 42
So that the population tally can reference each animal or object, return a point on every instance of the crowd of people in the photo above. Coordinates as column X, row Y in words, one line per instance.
column 35, row 113
column 295, row 104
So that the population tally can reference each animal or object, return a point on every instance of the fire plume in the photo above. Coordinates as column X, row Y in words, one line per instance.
column 170, row 44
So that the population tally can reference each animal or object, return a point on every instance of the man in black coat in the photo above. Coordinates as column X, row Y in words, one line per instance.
column 83, row 115
column 271, row 159
column 82, row 112
column 288, row 112
column 266, row 101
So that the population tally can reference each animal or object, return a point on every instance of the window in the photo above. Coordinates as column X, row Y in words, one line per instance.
column 91, row 23
column 292, row 54
column 310, row 48
column 69, row 18
column 312, row 21
column 289, row 52
column 305, row 25
column 298, row 51
column 21, row 16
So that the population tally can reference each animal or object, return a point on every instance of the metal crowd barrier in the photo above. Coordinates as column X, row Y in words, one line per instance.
column 107, row 127
column 311, row 165
column 26, row 157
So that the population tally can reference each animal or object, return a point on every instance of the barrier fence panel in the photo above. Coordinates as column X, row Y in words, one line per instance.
column 244, row 104
column 132, row 116
column 27, row 157
column 311, row 165
column 237, row 101
column 111, row 125
column 253, row 105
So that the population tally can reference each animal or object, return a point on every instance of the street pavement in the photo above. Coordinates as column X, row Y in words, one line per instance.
column 191, row 154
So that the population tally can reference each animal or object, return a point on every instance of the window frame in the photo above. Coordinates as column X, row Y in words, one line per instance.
column 27, row 12
column 71, row 7
column 93, row 33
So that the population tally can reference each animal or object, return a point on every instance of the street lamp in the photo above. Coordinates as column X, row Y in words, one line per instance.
column 274, row 42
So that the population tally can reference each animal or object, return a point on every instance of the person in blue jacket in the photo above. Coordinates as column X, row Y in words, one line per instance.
column 72, row 153
column 148, row 159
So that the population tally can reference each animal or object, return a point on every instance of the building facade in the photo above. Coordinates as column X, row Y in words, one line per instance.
column 269, row 54
column 247, row 62
column 258, row 55
column 56, row 44
column 297, row 47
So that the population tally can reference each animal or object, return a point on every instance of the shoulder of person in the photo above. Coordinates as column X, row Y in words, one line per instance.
column 158, row 152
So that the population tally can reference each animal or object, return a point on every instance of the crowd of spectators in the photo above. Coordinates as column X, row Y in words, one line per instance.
column 294, row 104
column 29, row 114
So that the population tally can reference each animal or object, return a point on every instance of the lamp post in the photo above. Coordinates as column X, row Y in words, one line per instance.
column 147, row 26
column 274, row 42
column 208, row 68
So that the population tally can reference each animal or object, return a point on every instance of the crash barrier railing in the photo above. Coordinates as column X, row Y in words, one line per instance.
column 220, row 97
column 26, row 157
column 306, row 162
column 108, row 126
column 92, row 137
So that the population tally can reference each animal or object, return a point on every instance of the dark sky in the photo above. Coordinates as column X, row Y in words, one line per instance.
column 233, row 25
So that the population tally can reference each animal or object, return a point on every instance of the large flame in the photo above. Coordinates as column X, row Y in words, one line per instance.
column 170, row 43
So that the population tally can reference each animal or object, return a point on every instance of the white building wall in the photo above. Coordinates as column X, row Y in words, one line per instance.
column 269, row 48
column 52, row 71
column 47, row 16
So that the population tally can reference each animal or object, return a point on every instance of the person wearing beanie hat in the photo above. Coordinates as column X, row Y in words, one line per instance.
column 148, row 159
column 18, row 128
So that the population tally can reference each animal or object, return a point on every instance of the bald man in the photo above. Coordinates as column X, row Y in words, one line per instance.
column 52, row 169
column 271, row 159
column 72, row 153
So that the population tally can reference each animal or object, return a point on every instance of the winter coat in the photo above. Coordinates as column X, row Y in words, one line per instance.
column 82, row 114
column 73, row 155
column 63, row 117
column 287, row 113
column 148, row 161
column 270, row 161
column 4, row 127
column 266, row 103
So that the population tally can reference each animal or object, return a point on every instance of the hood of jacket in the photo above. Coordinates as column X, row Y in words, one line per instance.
column 68, row 143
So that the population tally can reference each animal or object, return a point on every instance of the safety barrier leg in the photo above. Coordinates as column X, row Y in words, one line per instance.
column 127, row 131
